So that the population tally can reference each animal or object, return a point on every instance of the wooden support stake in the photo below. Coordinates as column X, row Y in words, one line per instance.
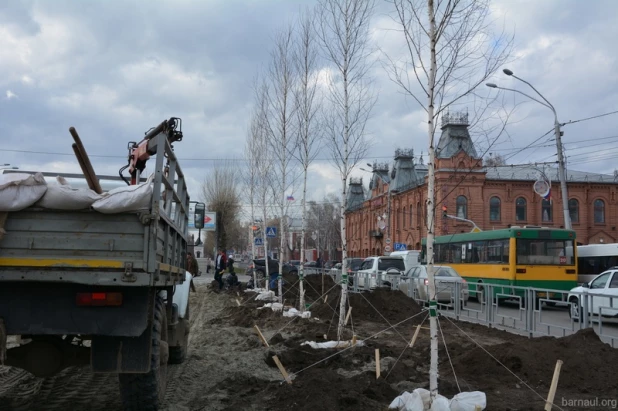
column 553, row 386
column 282, row 370
column 377, row 363
column 259, row 333
column 325, row 298
column 238, row 301
column 347, row 316
column 353, row 340
column 477, row 408
column 415, row 336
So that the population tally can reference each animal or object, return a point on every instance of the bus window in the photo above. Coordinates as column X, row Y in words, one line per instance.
column 544, row 252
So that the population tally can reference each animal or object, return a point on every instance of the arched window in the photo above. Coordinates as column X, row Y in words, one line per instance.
column 599, row 211
column 546, row 211
column 574, row 210
column 494, row 209
column 520, row 209
column 403, row 217
column 411, row 215
column 462, row 207
column 419, row 215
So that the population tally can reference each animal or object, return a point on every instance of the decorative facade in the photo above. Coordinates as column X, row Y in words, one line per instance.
column 492, row 197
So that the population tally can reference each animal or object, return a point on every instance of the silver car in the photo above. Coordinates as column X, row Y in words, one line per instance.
column 445, row 278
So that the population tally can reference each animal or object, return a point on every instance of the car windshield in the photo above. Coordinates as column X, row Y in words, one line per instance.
column 446, row 272
column 386, row 263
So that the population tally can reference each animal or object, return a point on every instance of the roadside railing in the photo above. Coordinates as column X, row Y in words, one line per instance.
column 529, row 311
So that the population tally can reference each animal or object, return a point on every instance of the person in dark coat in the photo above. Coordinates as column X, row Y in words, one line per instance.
column 220, row 265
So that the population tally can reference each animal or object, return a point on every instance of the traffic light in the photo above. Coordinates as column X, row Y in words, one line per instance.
column 444, row 213
column 200, row 213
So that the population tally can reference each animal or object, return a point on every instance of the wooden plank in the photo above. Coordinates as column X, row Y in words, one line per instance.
column 259, row 333
column 347, row 317
column 415, row 336
column 553, row 386
column 377, row 363
column 282, row 369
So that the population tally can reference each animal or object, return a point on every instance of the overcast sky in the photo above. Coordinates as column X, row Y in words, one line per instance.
column 114, row 69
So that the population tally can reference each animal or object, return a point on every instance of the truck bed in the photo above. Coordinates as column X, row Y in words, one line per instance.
column 87, row 247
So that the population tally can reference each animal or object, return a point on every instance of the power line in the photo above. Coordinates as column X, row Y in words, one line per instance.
column 590, row 118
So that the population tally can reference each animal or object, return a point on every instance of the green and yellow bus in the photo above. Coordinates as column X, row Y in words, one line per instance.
column 518, row 256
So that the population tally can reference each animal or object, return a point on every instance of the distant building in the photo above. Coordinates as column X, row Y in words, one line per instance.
column 492, row 197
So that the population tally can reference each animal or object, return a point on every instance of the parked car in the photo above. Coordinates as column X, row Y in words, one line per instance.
column 604, row 288
column 372, row 266
column 445, row 278
column 295, row 263
column 260, row 269
column 352, row 266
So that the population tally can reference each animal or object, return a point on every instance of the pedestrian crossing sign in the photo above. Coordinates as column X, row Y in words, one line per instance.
column 271, row 232
column 258, row 241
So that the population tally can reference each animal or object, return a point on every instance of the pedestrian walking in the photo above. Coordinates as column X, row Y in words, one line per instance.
column 192, row 266
column 220, row 265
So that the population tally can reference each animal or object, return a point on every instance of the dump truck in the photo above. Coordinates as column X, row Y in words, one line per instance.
column 104, row 290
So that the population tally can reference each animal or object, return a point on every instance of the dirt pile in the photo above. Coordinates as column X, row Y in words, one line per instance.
column 588, row 362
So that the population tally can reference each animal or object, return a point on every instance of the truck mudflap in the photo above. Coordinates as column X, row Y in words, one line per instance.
column 3, row 338
column 121, row 354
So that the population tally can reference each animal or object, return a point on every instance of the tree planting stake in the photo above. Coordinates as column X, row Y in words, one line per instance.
column 377, row 363
column 553, row 386
column 282, row 370
column 259, row 333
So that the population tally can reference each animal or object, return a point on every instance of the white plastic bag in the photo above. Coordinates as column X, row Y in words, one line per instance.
column 468, row 401
column 20, row 190
column 440, row 403
column 62, row 196
column 126, row 199
column 408, row 402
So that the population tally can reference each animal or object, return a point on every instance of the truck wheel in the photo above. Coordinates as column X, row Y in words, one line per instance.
column 178, row 354
column 145, row 391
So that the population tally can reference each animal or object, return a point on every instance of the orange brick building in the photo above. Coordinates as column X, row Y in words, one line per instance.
column 492, row 197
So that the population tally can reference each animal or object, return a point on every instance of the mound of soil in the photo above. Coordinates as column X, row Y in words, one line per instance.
column 588, row 362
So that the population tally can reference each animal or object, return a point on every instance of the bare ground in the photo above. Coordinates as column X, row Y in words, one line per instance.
column 229, row 369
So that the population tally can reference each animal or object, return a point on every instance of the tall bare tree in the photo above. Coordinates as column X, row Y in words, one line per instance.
column 281, row 79
column 308, row 103
column 251, row 177
column 344, row 35
column 220, row 193
column 451, row 51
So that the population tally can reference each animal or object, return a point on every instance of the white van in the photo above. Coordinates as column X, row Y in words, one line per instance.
column 411, row 258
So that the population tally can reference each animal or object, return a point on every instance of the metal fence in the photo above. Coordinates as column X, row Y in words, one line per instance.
column 528, row 311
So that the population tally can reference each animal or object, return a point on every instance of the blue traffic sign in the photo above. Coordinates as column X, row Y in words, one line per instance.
column 400, row 247
column 258, row 241
column 271, row 231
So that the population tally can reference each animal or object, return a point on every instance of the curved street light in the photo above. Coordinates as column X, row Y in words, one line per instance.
column 558, row 135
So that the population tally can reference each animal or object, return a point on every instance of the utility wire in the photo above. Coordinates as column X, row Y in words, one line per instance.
column 590, row 118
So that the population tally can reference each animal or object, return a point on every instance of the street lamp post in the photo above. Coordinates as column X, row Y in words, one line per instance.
column 558, row 134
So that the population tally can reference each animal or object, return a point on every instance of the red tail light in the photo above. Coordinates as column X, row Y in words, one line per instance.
column 99, row 299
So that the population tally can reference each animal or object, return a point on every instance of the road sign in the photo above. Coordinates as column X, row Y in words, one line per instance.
column 388, row 240
column 387, row 248
column 258, row 241
column 271, row 231
column 476, row 230
column 400, row 247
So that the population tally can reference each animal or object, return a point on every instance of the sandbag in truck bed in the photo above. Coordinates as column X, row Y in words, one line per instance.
column 126, row 199
column 20, row 190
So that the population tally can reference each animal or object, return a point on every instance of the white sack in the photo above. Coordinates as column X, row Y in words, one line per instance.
column 293, row 312
column 467, row 401
column 126, row 199
column 408, row 402
column 62, row 196
column 440, row 403
column 20, row 190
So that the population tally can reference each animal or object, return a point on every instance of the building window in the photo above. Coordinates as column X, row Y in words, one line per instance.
column 403, row 217
column 494, row 209
column 419, row 214
column 546, row 211
column 520, row 209
column 462, row 207
column 411, row 215
column 599, row 211
column 574, row 210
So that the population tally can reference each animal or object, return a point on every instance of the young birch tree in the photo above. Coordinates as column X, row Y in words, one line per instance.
column 307, row 101
column 344, row 35
column 281, row 78
column 252, row 155
column 451, row 51
column 262, row 164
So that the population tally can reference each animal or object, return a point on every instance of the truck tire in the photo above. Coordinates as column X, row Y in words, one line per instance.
column 146, row 391
column 178, row 354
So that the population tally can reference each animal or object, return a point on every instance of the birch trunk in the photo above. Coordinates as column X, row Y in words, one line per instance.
column 433, row 312
column 301, row 269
